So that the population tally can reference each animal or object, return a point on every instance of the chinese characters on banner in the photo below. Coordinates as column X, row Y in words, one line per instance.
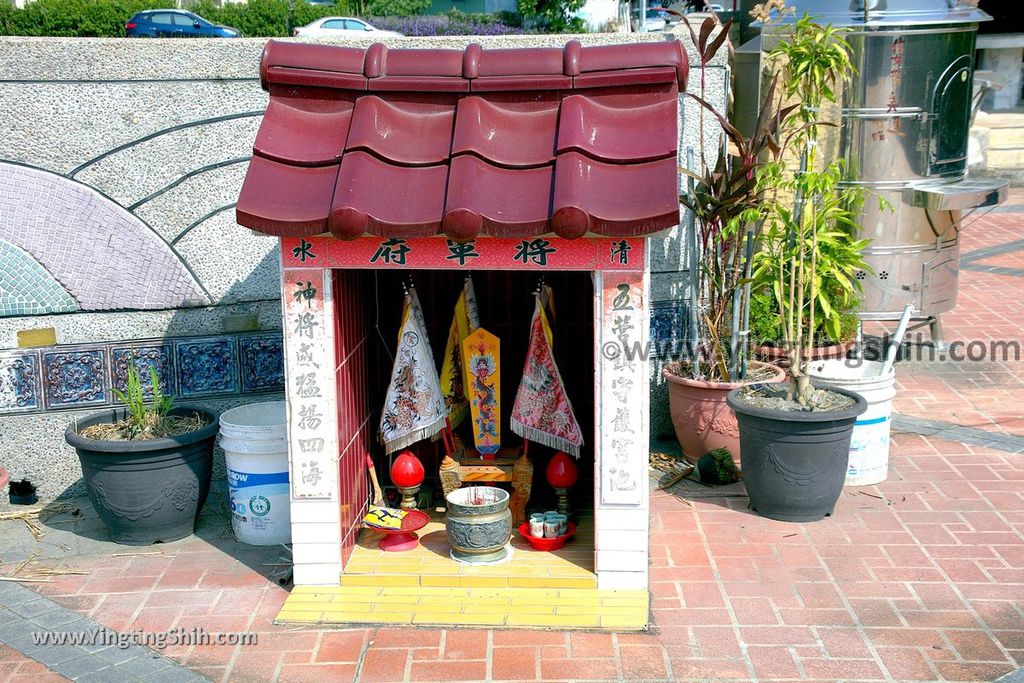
column 623, row 367
column 312, row 437
column 494, row 253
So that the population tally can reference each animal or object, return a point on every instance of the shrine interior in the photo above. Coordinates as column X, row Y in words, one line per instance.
column 505, row 301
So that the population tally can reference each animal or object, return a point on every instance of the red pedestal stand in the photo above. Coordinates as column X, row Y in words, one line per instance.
column 406, row 538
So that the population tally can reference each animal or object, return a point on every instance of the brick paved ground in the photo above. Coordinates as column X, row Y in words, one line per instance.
column 918, row 579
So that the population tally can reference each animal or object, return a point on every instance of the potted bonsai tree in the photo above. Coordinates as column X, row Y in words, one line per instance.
column 146, row 465
column 725, row 202
column 795, row 439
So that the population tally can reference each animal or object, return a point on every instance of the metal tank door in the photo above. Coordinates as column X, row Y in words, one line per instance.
column 951, row 112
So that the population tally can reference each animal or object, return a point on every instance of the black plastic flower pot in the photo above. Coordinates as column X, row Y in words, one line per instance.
column 147, row 491
column 794, row 463
column 22, row 492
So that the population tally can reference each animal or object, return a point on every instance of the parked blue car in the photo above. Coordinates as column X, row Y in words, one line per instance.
column 175, row 23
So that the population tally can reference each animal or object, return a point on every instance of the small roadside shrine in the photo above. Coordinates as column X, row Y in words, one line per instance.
column 465, row 291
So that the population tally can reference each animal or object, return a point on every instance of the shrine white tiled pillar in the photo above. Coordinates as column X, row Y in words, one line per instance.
column 622, row 410
column 312, row 425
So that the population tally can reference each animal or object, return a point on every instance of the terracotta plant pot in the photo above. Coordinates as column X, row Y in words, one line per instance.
column 702, row 419
column 776, row 355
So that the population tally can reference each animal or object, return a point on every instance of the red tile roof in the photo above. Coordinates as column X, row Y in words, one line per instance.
column 510, row 143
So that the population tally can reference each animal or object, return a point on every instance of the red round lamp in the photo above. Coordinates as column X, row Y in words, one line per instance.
column 407, row 474
column 562, row 471
column 562, row 474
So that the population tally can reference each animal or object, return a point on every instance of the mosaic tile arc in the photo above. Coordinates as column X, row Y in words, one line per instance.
column 84, row 376
column 98, row 251
column 27, row 288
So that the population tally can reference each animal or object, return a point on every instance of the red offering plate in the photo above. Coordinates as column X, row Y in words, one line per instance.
column 396, row 540
column 546, row 544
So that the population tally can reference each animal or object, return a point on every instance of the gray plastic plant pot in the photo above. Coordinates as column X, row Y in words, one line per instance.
column 146, row 491
column 794, row 463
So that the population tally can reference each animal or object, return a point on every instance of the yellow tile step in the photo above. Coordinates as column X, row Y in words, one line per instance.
column 525, row 579
column 526, row 607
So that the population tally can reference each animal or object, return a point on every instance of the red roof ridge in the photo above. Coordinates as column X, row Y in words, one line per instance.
column 450, row 70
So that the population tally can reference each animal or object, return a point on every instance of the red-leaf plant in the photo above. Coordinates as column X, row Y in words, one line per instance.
column 725, row 200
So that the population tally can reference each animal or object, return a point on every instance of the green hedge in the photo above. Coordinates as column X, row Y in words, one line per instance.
column 266, row 18
column 106, row 18
column 82, row 18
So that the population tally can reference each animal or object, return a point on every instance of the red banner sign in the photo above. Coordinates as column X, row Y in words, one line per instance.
column 485, row 253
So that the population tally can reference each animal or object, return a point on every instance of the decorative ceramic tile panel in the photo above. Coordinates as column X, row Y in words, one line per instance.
column 20, row 387
column 667, row 320
column 262, row 361
column 623, row 375
column 157, row 357
column 206, row 367
column 75, row 378
column 81, row 375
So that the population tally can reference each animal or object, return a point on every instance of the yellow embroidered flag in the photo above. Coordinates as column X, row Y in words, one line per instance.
column 481, row 358
column 465, row 319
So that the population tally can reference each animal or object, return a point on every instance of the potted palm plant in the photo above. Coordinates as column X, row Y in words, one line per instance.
column 146, row 465
column 794, row 438
column 724, row 200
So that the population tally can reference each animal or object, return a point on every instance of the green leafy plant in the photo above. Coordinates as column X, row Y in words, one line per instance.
column 554, row 16
column 837, row 288
column 766, row 324
column 144, row 420
column 809, row 240
column 396, row 8
column 73, row 18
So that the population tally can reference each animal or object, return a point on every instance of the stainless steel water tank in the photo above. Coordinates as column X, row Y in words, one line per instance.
column 904, row 131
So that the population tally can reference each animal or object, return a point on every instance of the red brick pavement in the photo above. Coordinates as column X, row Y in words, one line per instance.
column 17, row 668
column 918, row 579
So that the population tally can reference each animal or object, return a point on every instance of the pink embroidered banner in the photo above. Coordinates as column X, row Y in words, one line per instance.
column 542, row 412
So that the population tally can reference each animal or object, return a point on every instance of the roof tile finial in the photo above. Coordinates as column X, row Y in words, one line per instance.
column 375, row 64
column 471, row 61
column 571, row 58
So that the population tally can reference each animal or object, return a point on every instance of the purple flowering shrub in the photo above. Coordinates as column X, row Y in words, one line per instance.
column 446, row 25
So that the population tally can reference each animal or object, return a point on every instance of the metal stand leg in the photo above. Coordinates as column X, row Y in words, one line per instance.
column 935, row 326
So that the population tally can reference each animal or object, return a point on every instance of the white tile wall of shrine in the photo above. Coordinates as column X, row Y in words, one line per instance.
column 331, row 425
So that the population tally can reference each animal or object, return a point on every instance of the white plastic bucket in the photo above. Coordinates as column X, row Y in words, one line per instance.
column 255, row 442
column 869, row 446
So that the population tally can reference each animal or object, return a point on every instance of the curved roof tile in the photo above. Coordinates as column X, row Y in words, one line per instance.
column 502, row 142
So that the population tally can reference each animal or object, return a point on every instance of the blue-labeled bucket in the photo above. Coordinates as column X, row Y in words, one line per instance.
column 869, row 446
column 255, row 442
